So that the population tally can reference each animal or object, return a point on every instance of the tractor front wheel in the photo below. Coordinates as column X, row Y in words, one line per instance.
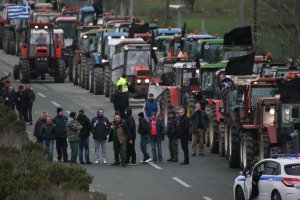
column 12, row 47
column 24, row 71
column 98, row 81
column 60, row 75
column 107, row 75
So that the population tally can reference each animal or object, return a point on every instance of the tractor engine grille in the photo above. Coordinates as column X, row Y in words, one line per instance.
column 143, row 73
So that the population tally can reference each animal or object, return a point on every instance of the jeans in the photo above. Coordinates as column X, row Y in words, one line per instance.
column 103, row 148
column 23, row 115
column 61, row 148
column 29, row 113
column 126, row 97
column 49, row 144
column 173, row 147
column 195, row 136
column 74, row 151
column 156, row 144
column 185, row 148
column 131, row 152
column 143, row 144
column 84, row 143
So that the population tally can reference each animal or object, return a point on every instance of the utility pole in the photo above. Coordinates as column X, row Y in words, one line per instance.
column 179, row 14
column 131, row 9
column 255, row 21
column 241, row 13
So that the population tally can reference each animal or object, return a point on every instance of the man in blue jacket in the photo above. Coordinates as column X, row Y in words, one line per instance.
column 150, row 106
column 173, row 137
column 100, row 131
column 61, row 135
column 157, row 134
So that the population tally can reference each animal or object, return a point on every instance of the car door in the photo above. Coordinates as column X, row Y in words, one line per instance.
column 272, row 170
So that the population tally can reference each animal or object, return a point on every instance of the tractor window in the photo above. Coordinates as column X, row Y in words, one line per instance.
column 230, row 54
column 191, row 48
column 261, row 92
column 232, row 101
column 117, row 60
column 208, row 80
column 40, row 37
column 287, row 114
column 162, row 48
column 211, row 53
column 67, row 27
column 176, row 47
column 85, row 44
column 60, row 38
column 268, row 117
column 112, row 50
column 136, row 58
column 116, row 74
column 93, row 46
column 87, row 18
column 43, row 18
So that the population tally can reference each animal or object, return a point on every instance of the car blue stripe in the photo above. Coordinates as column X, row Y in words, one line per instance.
column 262, row 178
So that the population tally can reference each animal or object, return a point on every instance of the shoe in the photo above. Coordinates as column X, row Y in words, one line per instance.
column 115, row 164
column 184, row 163
column 142, row 161
column 154, row 160
column 170, row 159
column 148, row 160
column 88, row 163
column 82, row 163
column 104, row 162
column 67, row 161
column 201, row 154
column 97, row 161
column 131, row 163
column 174, row 160
column 123, row 164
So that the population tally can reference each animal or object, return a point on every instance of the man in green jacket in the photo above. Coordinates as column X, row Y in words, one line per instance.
column 74, row 128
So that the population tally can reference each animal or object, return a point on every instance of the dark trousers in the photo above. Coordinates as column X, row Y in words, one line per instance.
column 126, row 97
column 39, row 140
column 120, row 149
column 30, row 113
column 131, row 152
column 185, row 148
column 23, row 115
column 74, row 151
column 61, row 148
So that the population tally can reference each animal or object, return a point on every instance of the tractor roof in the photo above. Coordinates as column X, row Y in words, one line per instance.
column 116, row 17
column 197, row 37
column 122, row 24
column 167, row 31
column 115, row 42
column 113, row 34
column 42, row 25
column 87, row 9
column 173, row 60
column 65, row 18
column 212, row 41
column 184, row 65
column 162, row 37
column 46, row 13
column 59, row 31
column 70, row 8
column 87, row 27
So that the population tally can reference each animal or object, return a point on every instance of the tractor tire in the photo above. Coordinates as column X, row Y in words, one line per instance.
column 264, row 146
column 222, row 139
column 248, row 150
column 226, row 129
column 87, row 75
column 70, row 68
column 79, row 74
column 75, row 72
column 98, row 81
column 289, row 147
column 233, row 148
column 107, row 76
column 1, row 36
column 43, row 76
column 82, row 71
column 208, row 110
column 16, row 72
column 61, row 71
column 276, row 150
column 91, row 78
column 12, row 47
column 24, row 71
column 214, row 133
column 7, row 41
column 112, row 90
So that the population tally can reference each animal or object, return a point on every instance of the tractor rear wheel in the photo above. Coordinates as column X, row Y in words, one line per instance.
column 222, row 139
column 61, row 71
column 70, row 68
column 107, row 77
column 98, row 81
column 248, row 150
column 75, row 72
column 1, row 36
column 214, row 132
column 82, row 71
column 264, row 146
column 289, row 147
column 276, row 150
column 91, row 78
column 24, row 71
column 12, row 47
column 233, row 147
column 7, row 41
column 16, row 72
column 87, row 75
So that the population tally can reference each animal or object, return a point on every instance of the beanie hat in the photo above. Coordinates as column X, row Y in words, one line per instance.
column 81, row 111
column 172, row 112
column 141, row 114
column 153, row 113
column 58, row 110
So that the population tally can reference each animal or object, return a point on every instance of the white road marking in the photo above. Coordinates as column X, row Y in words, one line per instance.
column 56, row 104
column 154, row 165
column 207, row 198
column 41, row 95
column 18, row 80
column 181, row 182
column 68, row 112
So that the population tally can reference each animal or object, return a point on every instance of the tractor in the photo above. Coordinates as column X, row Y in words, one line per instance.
column 41, row 54
column 70, row 11
column 4, row 43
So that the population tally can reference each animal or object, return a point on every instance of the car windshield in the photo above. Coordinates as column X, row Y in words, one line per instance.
column 87, row 18
column 40, row 36
column 67, row 27
column 137, row 58
column 211, row 52
column 230, row 54
column 293, row 170
column 191, row 48
column 261, row 92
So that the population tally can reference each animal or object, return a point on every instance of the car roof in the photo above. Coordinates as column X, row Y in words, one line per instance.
column 284, row 160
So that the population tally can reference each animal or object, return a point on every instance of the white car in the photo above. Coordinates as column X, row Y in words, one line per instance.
column 273, row 178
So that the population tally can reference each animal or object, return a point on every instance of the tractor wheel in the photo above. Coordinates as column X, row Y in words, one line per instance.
column 107, row 77
column 24, row 71
column 91, row 77
column 12, row 47
column 264, row 146
column 112, row 89
column 16, row 72
column 75, row 72
column 167, row 106
column 233, row 148
column 222, row 139
column 82, row 71
column 70, row 68
column 1, row 36
column 7, row 42
column 61, row 71
column 87, row 75
column 248, row 150
column 43, row 76
column 79, row 74
column 276, row 150
column 98, row 81
column 226, row 129
column 214, row 132
column 208, row 110
column 289, row 147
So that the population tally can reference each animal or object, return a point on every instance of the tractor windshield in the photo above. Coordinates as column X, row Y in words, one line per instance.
column 268, row 117
column 191, row 48
column 87, row 18
column 261, row 92
column 93, row 43
column 117, row 60
column 137, row 58
column 176, row 45
column 67, row 27
column 162, row 48
column 85, row 44
column 40, row 36
column 43, row 18
column 106, row 47
column 211, row 53
column 208, row 80
column 230, row 54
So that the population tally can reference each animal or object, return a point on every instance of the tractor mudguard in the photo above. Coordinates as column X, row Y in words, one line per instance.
column 24, row 51
column 58, row 51
column 96, row 59
column 272, row 134
column 174, row 95
column 220, row 111
column 250, row 127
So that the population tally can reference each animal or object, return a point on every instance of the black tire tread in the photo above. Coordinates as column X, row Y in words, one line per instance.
column 25, row 70
column 214, row 146
column 91, row 84
column 16, row 72
column 98, row 81
column 107, row 77
column 222, row 139
column 61, row 71
column 233, row 160
column 251, row 143
column 276, row 150
column 87, row 74
column 266, row 143
column 82, row 67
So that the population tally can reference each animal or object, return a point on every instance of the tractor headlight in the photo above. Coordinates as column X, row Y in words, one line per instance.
column 138, row 81
column 147, row 81
column 38, row 59
column 45, row 59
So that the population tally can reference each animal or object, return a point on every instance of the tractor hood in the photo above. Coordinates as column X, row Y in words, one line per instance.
column 68, row 42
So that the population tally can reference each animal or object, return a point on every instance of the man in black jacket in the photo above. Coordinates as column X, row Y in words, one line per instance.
column 84, row 137
column 48, row 133
column 22, row 102
column 144, row 131
column 37, row 128
column 119, row 101
column 32, row 99
column 183, row 134
column 130, row 146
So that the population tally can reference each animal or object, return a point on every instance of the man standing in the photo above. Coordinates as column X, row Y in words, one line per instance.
column 225, row 84
column 119, row 101
column 84, row 137
column 143, row 130
column 173, row 137
column 74, row 128
column 151, row 106
column 132, row 129
column 32, row 99
column 37, row 128
column 61, row 135
column 200, row 122
column 9, row 98
column 2, row 83
column 157, row 134
column 122, row 81
column 183, row 134
column 100, row 131
column 22, row 102
column 48, row 133
column 119, row 134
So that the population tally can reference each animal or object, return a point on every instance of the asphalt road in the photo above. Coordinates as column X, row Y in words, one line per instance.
column 207, row 177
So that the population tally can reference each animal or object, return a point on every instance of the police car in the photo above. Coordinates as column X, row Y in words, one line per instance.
column 276, row 178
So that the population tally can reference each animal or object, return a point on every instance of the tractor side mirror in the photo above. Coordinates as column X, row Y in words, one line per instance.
column 267, row 107
column 295, row 112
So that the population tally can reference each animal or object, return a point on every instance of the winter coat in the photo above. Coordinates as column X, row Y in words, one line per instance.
column 122, row 132
column 172, row 127
column 73, row 126
column 143, row 128
column 61, row 125
column 150, row 107
column 100, row 127
column 31, row 96
column 24, row 100
column 195, row 120
column 37, row 127
column 119, row 101
column 130, row 122
column 11, row 99
column 183, row 127
column 159, row 127
column 86, row 126
column 48, row 131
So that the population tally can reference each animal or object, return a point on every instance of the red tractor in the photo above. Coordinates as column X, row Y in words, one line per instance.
column 41, row 54
column 71, row 11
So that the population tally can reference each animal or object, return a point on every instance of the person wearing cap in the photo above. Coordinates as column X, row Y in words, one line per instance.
column 118, row 100
column 9, row 98
column 61, row 135
column 84, row 137
column 157, row 134
column 32, row 99
column 122, row 81
column 151, row 106
column 173, row 137
column 22, row 102
column 144, row 131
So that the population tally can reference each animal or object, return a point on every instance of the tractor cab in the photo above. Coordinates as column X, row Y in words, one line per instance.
column 43, row 16
column 43, row 7
column 66, row 24
column 122, row 27
column 60, row 38
column 71, row 11
column 86, row 16
column 110, row 20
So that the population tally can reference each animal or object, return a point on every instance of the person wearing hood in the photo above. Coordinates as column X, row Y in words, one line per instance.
column 119, row 101
column 157, row 134
column 37, row 128
column 84, row 137
column 130, row 146
column 74, row 128
column 123, row 82
column 100, row 131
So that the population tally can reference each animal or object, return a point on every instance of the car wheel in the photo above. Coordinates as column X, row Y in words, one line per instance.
column 239, row 194
column 276, row 195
